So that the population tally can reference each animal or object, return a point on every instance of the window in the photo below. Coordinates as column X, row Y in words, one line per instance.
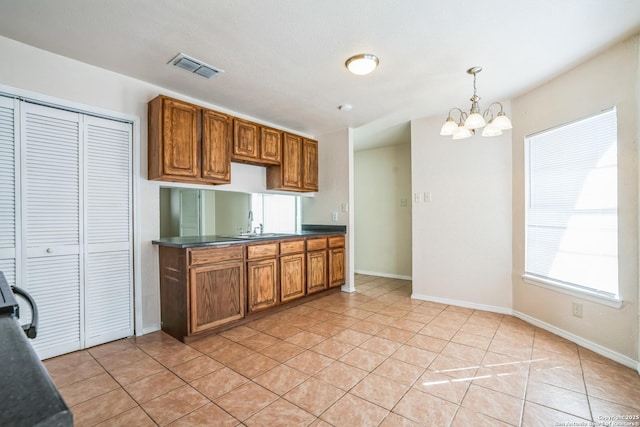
column 572, row 207
column 277, row 213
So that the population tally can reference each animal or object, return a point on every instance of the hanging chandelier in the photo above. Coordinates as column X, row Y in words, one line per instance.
column 468, row 122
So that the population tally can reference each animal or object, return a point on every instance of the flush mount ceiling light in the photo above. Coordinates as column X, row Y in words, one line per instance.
column 194, row 66
column 362, row 64
column 469, row 122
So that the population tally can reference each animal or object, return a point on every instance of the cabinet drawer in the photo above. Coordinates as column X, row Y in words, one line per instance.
column 316, row 244
column 211, row 255
column 262, row 251
column 291, row 247
column 336, row 242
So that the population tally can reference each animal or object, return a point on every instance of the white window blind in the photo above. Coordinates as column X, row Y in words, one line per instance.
column 572, row 205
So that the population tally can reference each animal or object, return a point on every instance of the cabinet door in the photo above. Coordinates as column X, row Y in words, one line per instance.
column 270, row 144
column 180, row 138
column 292, row 161
column 216, row 147
column 310, row 165
column 336, row 267
column 262, row 283
column 245, row 141
column 316, row 271
column 292, row 276
column 216, row 295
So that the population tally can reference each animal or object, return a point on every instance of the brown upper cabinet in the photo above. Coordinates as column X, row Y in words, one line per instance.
column 255, row 144
column 191, row 144
column 299, row 168
column 188, row 143
column 216, row 153
column 245, row 141
column 309, row 165
column 270, row 145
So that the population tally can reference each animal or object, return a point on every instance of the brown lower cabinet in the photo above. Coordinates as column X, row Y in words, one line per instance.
column 336, row 261
column 201, row 288
column 216, row 295
column 292, row 270
column 316, row 265
column 205, row 288
column 262, row 276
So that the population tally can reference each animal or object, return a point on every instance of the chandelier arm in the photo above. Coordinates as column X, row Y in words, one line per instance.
column 496, row 103
column 455, row 109
column 470, row 122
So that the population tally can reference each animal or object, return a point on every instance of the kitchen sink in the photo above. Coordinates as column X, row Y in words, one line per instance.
column 249, row 236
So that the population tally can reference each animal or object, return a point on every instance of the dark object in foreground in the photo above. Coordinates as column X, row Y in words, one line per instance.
column 28, row 397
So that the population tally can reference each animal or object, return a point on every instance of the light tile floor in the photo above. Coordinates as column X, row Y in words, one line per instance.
column 374, row 357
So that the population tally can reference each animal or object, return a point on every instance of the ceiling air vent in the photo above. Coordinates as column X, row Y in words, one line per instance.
column 194, row 66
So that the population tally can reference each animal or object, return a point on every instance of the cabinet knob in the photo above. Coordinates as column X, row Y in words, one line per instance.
column 49, row 250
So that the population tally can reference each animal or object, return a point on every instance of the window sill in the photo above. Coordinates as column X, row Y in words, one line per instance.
column 573, row 291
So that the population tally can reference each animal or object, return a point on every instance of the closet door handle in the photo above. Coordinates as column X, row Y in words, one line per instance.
column 49, row 250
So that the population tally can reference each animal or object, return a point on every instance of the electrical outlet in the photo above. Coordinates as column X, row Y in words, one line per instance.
column 577, row 309
column 334, row 216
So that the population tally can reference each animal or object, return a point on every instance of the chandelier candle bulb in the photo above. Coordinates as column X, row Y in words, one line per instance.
column 468, row 123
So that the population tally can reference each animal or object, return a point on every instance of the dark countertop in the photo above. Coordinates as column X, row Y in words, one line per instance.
column 28, row 397
column 203, row 241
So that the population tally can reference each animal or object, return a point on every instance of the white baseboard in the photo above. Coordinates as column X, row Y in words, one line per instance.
column 466, row 304
column 348, row 288
column 596, row 348
column 377, row 273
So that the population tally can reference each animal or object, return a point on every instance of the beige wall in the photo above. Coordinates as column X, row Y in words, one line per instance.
column 610, row 79
column 382, row 223
column 209, row 212
column 462, row 238
column 169, row 222
column 55, row 76
column 232, row 212
column 335, row 180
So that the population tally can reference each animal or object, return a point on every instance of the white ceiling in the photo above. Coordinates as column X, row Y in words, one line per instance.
column 284, row 59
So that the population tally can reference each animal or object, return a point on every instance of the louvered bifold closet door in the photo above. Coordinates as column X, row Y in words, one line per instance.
column 51, row 228
column 109, row 278
column 8, row 230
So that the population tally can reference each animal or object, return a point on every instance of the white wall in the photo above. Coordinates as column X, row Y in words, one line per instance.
column 462, row 238
column 382, row 224
column 335, row 181
column 52, row 75
column 610, row 79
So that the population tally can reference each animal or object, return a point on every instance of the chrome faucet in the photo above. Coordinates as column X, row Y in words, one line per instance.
column 250, row 222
